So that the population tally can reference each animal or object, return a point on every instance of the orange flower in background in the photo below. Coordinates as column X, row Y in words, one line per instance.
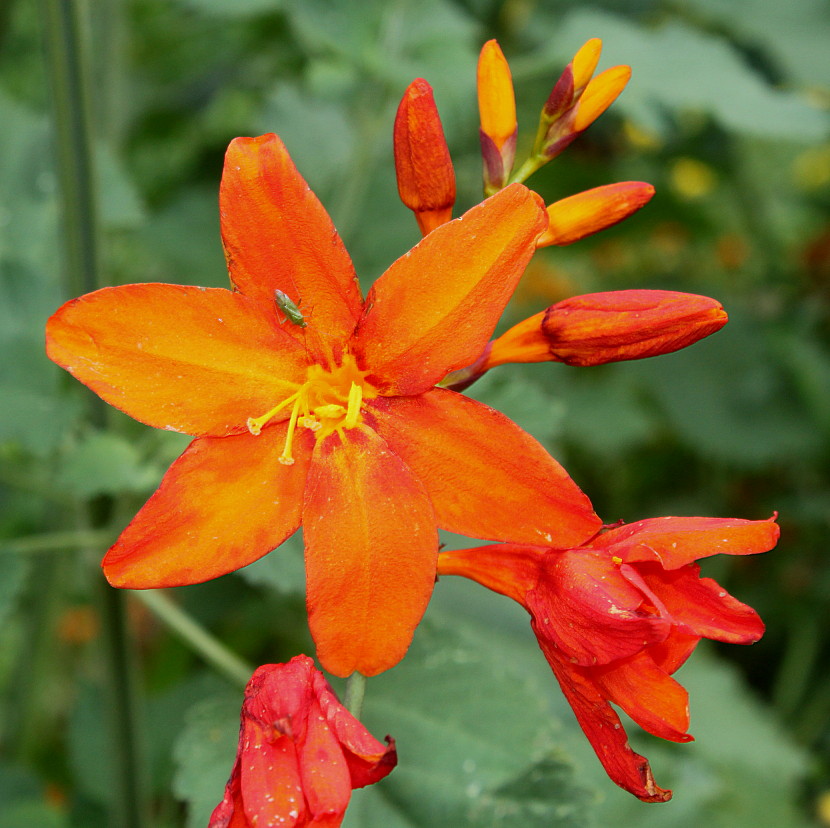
column 311, row 406
column 426, row 179
column 598, row 328
column 618, row 615
column 300, row 755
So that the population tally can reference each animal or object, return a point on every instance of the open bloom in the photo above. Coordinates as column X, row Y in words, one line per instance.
column 310, row 405
column 616, row 616
column 300, row 755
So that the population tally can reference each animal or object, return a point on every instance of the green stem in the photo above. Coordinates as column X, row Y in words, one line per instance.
column 213, row 651
column 355, row 691
column 56, row 542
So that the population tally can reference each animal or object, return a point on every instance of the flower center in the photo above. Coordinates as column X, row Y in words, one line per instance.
column 327, row 401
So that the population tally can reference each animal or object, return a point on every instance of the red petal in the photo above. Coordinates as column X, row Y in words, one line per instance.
column 224, row 503
column 371, row 548
column 180, row 358
column 603, row 728
column 278, row 236
column 487, row 478
column 230, row 812
column 590, row 612
column 649, row 695
column 434, row 310
column 702, row 606
column 677, row 541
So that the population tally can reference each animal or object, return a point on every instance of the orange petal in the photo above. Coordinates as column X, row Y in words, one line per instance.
column 487, row 478
column 426, row 180
column 581, row 215
column 434, row 310
column 600, row 93
column 223, row 504
column 652, row 698
column 278, row 236
column 524, row 342
column 598, row 328
column 371, row 549
column 496, row 99
column 585, row 63
column 603, row 728
column 180, row 358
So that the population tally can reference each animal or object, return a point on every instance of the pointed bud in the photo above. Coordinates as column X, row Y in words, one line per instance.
column 497, row 110
column 598, row 328
column 585, row 64
column 574, row 218
column 600, row 93
column 561, row 97
column 426, row 180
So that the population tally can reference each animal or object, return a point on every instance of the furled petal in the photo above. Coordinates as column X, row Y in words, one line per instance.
column 589, row 610
column 180, row 358
column 278, row 236
column 224, row 503
column 702, row 606
column 507, row 568
column 650, row 696
column 603, row 728
column 486, row 477
column 371, row 549
column 426, row 179
column 677, row 541
column 435, row 308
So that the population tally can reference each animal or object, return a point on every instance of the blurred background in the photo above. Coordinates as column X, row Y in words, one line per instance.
column 121, row 709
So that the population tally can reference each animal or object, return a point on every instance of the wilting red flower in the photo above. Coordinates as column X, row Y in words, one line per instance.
column 426, row 180
column 618, row 615
column 310, row 405
column 300, row 754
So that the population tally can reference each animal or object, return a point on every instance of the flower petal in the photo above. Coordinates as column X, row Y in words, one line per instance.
column 435, row 308
column 487, row 478
column 677, row 541
column 650, row 696
column 180, row 358
column 371, row 549
column 603, row 728
column 278, row 236
column 589, row 610
column 223, row 504
column 702, row 606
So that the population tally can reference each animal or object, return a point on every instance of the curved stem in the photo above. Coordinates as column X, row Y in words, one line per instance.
column 355, row 690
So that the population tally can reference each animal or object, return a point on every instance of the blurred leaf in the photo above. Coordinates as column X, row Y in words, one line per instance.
column 204, row 754
column 121, row 205
column 679, row 68
column 233, row 8
column 89, row 745
column 282, row 570
column 23, row 801
column 13, row 571
column 104, row 463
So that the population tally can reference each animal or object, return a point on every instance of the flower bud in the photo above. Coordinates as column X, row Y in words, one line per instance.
column 497, row 111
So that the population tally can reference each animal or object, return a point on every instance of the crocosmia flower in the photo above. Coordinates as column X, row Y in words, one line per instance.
column 618, row 615
column 300, row 755
column 312, row 406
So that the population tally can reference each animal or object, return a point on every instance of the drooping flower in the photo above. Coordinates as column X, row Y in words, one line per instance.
column 426, row 179
column 598, row 328
column 311, row 406
column 300, row 754
column 616, row 616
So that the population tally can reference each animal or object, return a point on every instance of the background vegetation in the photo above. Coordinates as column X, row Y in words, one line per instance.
column 122, row 709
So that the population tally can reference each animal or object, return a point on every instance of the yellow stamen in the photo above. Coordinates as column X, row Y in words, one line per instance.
column 353, row 411
column 285, row 458
column 255, row 424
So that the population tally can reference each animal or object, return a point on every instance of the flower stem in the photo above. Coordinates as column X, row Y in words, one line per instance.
column 355, row 690
column 213, row 651
column 56, row 542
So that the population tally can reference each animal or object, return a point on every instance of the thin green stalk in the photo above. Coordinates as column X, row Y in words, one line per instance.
column 213, row 651
column 355, row 691
column 56, row 542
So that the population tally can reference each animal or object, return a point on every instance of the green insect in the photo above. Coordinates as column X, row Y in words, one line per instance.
column 291, row 311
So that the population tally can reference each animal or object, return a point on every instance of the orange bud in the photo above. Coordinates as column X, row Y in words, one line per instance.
column 628, row 324
column 585, row 63
column 496, row 100
column 524, row 342
column 600, row 93
column 574, row 218
column 426, row 180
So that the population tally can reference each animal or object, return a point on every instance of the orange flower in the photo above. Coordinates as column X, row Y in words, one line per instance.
column 497, row 111
column 618, row 615
column 300, row 755
column 426, row 180
column 319, row 408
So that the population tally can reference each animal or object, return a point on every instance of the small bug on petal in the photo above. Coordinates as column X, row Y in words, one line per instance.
column 291, row 311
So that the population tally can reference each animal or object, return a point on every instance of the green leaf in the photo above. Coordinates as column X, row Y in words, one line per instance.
column 282, row 570
column 233, row 8
column 13, row 572
column 204, row 754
